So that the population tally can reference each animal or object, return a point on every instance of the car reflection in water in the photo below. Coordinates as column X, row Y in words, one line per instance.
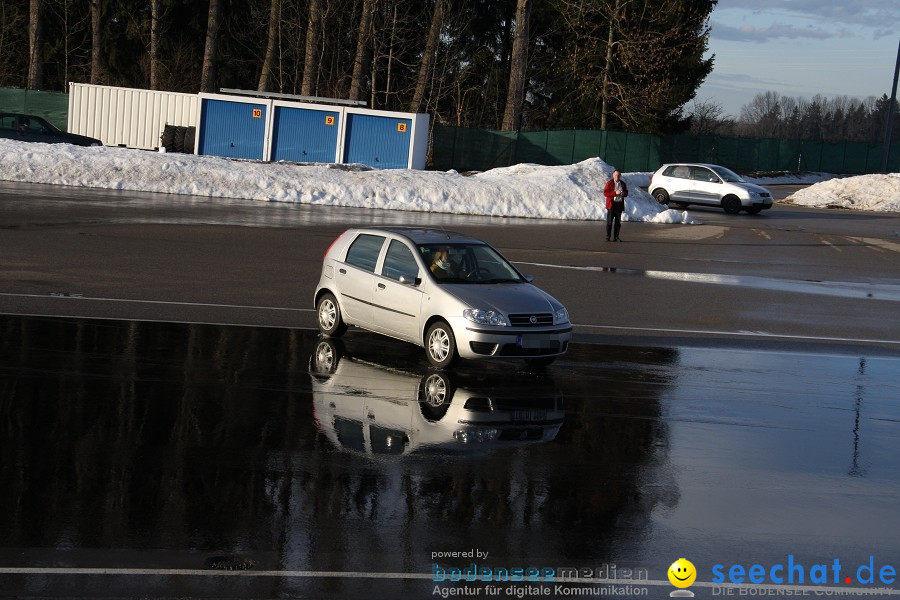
column 369, row 408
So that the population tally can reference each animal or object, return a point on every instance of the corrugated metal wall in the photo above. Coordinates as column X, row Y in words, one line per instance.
column 233, row 128
column 305, row 134
column 130, row 117
column 378, row 141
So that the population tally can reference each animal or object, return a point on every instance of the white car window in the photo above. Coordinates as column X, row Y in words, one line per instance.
column 399, row 262
column 364, row 251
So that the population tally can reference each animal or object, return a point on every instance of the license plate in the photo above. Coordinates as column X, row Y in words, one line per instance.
column 529, row 415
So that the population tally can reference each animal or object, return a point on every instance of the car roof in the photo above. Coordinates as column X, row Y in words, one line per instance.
column 425, row 235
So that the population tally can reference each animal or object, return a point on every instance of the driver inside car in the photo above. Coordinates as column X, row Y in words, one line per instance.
column 442, row 266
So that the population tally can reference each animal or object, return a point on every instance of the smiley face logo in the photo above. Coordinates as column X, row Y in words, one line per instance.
column 682, row 573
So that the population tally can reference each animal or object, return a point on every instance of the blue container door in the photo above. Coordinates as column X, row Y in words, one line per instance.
column 304, row 135
column 381, row 142
column 232, row 129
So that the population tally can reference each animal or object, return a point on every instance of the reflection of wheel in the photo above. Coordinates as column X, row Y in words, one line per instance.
column 326, row 356
column 543, row 361
column 661, row 196
column 440, row 345
column 754, row 210
column 731, row 205
column 435, row 394
column 328, row 315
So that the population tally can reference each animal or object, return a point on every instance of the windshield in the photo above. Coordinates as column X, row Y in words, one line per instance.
column 468, row 263
column 727, row 175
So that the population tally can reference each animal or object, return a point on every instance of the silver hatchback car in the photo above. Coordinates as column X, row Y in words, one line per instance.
column 712, row 185
column 452, row 294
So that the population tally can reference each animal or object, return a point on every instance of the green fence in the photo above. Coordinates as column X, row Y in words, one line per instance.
column 53, row 106
column 466, row 149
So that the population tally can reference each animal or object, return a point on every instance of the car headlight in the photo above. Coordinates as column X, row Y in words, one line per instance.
column 560, row 316
column 485, row 317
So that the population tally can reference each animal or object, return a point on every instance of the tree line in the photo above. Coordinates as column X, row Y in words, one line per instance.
column 501, row 64
column 771, row 115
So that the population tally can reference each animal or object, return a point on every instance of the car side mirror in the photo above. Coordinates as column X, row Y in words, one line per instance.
column 529, row 278
column 413, row 281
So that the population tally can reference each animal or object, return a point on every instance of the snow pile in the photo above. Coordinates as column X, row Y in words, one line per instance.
column 534, row 191
column 864, row 192
column 569, row 192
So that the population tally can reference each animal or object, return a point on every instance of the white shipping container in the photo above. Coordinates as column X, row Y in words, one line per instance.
column 125, row 116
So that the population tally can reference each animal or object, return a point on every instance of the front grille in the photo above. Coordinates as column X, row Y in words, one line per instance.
column 525, row 320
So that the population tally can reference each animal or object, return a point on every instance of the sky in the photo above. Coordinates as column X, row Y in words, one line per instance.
column 566, row 192
column 800, row 48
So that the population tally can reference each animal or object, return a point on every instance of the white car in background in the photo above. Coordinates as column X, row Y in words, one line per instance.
column 709, row 185
column 383, row 279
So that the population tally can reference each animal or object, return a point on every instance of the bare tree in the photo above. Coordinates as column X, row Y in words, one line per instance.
column 363, row 45
column 706, row 118
column 515, row 96
column 35, row 46
column 313, row 34
column 98, row 71
column 431, row 45
column 269, row 60
column 154, row 43
column 210, row 62
column 12, row 38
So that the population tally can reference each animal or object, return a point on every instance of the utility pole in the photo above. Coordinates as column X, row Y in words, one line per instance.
column 889, row 128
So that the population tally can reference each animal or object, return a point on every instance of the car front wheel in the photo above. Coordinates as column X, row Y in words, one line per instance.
column 731, row 205
column 328, row 315
column 440, row 345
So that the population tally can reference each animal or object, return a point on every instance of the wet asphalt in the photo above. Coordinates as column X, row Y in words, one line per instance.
column 145, row 458
column 161, row 460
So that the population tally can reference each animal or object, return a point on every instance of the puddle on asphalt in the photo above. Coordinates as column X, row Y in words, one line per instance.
column 841, row 289
column 279, row 449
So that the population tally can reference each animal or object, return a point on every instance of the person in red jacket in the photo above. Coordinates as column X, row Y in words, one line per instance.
column 615, row 191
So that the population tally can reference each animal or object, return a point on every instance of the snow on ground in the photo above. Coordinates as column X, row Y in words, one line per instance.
column 864, row 192
column 569, row 192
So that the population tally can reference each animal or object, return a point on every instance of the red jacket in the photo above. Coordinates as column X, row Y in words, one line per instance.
column 609, row 190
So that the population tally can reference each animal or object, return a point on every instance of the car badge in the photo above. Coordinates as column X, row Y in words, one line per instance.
column 533, row 319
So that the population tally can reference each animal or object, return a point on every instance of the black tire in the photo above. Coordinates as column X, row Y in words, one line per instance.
column 189, row 134
column 328, row 316
column 440, row 345
column 661, row 196
column 179, row 139
column 731, row 205
column 435, row 395
column 167, row 140
column 754, row 210
column 540, row 363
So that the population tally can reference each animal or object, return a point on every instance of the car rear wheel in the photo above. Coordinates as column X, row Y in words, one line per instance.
column 731, row 205
column 661, row 196
column 440, row 345
column 328, row 314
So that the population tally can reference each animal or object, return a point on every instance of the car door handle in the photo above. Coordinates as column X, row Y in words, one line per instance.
column 342, row 271
column 380, row 286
